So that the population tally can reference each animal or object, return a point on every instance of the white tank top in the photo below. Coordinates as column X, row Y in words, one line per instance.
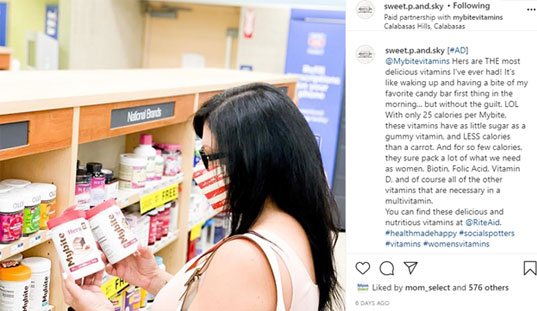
column 305, row 293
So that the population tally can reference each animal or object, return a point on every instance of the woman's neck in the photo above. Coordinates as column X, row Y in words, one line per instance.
column 268, row 215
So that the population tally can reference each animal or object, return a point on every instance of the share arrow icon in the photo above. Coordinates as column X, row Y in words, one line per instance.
column 411, row 265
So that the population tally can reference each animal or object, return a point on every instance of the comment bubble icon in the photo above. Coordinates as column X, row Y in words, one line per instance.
column 387, row 268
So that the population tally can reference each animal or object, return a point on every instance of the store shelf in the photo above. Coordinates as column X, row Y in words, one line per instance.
column 172, row 236
column 95, row 87
column 30, row 125
column 129, row 197
column 25, row 243
column 125, row 198
column 203, row 219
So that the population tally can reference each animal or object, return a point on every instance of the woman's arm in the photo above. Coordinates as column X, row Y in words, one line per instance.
column 160, row 279
column 238, row 278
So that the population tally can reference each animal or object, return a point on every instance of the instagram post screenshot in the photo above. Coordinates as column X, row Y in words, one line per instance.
column 441, row 214
column 268, row 155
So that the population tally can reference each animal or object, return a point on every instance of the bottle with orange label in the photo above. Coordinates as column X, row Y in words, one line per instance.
column 14, row 286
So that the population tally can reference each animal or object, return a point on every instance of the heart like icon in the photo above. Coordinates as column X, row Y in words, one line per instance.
column 362, row 267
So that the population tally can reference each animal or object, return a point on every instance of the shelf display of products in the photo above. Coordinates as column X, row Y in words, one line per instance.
column 22, row 204
column 137, row 170
column 83, row 189
column 111, row 187
column 97, row 192
column 48, row 202
column 11, row 216
column 25, row 283
column 132, row 171
column 153, row 227
column 94, row 185
column 171, row 155
column 200, row 208
column 206, row 234
column 40, row 282
column 15, row 287
column 138, row 223
column 159, row 165
column 67, row 124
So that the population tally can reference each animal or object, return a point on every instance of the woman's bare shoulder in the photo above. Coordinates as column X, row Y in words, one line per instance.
column 238, row 278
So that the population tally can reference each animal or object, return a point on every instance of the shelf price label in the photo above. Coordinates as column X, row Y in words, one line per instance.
column 158, row 198
column 17, row 247
column 35, row 240
column 195, row 232
column 113, row 286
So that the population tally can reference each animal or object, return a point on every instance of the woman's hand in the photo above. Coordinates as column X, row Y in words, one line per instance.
column 86, row 297
column 140, row 269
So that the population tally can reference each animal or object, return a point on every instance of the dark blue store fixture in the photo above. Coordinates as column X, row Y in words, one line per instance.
column 316, row 52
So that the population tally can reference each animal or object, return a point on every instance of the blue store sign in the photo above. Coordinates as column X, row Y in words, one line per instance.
column 316, row 52
column 52, row 20
column 3, row 23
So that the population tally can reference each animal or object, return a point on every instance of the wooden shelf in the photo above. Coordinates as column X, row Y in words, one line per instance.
column 45, row 131
column 23, row 244
column 172, row 237
column 129, row 197
column 74, row 88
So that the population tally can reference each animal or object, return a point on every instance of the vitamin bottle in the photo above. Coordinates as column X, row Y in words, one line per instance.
column 146, row 150
column 75, row 244
column 11, row 217
column 98, row 181
column 14, row 287
column 111, row 230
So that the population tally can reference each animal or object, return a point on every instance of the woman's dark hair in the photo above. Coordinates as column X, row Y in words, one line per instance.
column 270, row 152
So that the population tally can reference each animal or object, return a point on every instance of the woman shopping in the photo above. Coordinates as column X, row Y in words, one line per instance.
column 280, row 254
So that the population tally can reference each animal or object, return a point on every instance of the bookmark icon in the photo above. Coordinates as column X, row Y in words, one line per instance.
column 530, row 266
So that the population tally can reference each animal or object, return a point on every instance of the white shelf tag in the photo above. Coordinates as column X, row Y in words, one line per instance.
column 35, row 240
column 17, row 247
